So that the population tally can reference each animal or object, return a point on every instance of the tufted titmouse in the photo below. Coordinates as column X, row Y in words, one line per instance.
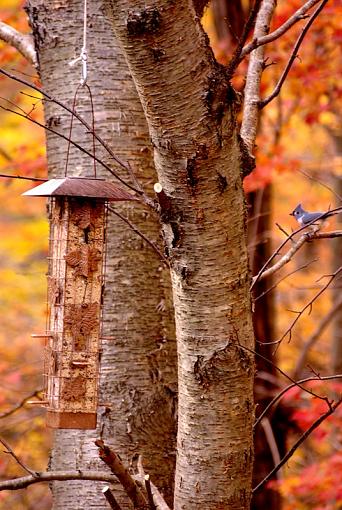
column 304, row 217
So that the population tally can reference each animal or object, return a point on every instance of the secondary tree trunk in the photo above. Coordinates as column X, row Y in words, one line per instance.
column 138, row 368
column 191, row 113
column 336, row 348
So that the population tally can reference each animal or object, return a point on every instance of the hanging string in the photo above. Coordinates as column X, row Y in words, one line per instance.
column 83, row 83
column 84, row 54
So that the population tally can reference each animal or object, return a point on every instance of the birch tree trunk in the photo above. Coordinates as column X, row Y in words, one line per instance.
column 191, row 112
column 138, row 381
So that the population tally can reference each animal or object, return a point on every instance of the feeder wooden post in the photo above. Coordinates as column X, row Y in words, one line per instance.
column 75, row 286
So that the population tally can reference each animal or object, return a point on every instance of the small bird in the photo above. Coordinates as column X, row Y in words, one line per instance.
column 305, row 217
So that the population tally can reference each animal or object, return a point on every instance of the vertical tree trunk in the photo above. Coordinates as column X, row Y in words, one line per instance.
column 264, row 330
column 138, row 367
column 191, row 112
column 336, row 348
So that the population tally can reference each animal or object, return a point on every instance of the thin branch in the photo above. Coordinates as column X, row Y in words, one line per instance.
column 302, row 438
column 285, row 259
column 304, row 266
column 315, row 337
column 110, row 498
column 321, row 183
column 312, row 393
column 20, row 405
column 7, row 176
column 49, row 476
column 149, row 492
column 328, row 235
column 16, row 458
column 295, row 18
column 307, row 306
column 75, row 144
column 285, row 390
column 115, row 464
column 125, row 165
column 256, row 66
column 293, row 56
column 272, row 443
column 236, row 57
column 158, row 500
column 137, row 231
column 289, row 238
column 21, row 42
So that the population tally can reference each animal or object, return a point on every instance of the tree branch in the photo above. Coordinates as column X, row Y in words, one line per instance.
column 158, row 500
column 75, row 144
column 285, row 390
column 307, row 306
column 20, row 405
column 255, row 68
column 297, row 444
column 110, row 498
column 115, row 464
column 125, row 165
column 260, row 41
column 293, row 56
column 307, row 236
column 145, row 238
column 49, row 476
column 21, row 42
column 237, row 58
column 315, row 337
column 16, row 458
column 290, row 238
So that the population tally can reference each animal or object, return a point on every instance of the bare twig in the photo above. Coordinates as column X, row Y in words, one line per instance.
column 25, row 481
column 16, row 458
column 75, row 144
column 289, row 238
column 130, row 486
column 299, row 15
column 110, row 498
column 7, row 176
column 312, row 393
column 20, row 405
column 236, row 57
column 149, row 492
column 137, row 231
column 293, row 56
column 304, row 266
column 328, row 235
column 315, row 337
column 307, row 306
column 297, row 444
column 158, row 500
column 285, row 390
column 288, row 255
column 125, row 165
column 21, row 42
column 256, row 67
column 312, row 178
column 272, row 443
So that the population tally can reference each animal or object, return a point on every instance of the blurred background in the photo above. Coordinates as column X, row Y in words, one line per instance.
column 299, row 160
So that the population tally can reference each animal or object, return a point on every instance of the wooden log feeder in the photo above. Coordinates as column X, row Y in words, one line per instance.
column 76, row 270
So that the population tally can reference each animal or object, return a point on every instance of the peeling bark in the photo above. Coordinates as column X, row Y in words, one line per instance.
column 191, row 109
column 138, row 366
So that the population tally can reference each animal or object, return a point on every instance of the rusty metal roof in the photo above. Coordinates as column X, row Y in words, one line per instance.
column 80, row 187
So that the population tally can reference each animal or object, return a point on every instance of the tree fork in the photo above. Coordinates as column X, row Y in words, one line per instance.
column 191, row 108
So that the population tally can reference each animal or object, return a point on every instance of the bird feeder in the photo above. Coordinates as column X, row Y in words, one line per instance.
column 76, row 270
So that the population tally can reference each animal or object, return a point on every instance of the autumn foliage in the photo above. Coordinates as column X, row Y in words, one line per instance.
column 296, row 134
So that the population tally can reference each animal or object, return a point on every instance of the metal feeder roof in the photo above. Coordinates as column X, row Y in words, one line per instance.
column 80, row 187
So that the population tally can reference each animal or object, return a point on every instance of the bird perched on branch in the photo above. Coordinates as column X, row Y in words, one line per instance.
column 305, row 218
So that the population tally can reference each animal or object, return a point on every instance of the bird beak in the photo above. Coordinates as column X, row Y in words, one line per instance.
column 291, row 214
